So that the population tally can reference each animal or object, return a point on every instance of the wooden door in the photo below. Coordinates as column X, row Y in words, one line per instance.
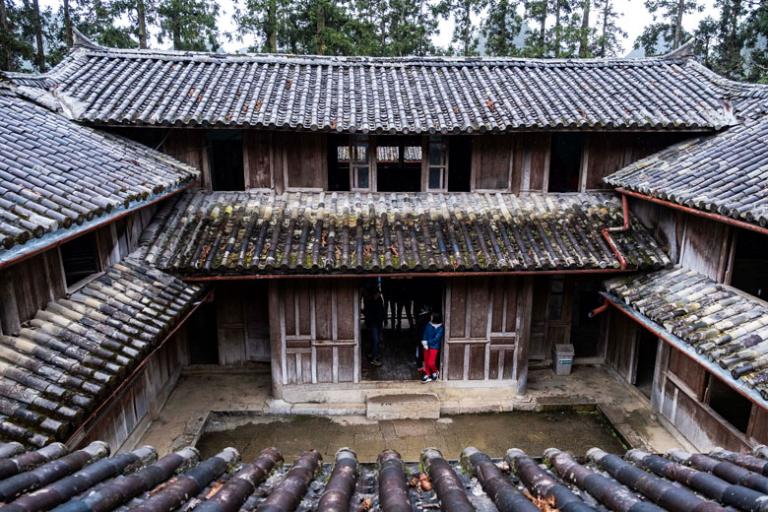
column 318, row 334
column 486, row 328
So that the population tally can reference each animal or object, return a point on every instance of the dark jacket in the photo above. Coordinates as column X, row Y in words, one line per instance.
column 374, row 311
column 433, row 334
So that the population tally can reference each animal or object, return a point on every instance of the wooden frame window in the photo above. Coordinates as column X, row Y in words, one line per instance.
column 436, row 175
column 80, row 260
column 360, row 175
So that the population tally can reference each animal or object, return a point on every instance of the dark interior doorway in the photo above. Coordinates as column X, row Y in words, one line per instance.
column 565, row 162
column 225, row 154
column 647, row 348
column 406, row 302
column 459, row 164
column 750, row 263
column 202, row 335
column 585, row 331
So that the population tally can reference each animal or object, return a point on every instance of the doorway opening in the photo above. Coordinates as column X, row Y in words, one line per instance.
column 403, row 312
column 646, row 352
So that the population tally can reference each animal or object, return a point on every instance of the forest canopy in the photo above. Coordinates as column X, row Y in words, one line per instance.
column 733, row 43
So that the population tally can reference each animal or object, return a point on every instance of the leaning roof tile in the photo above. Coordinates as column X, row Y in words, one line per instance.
column 387, row 95
column 89, row 479
column 57, row 177
column 316, row 232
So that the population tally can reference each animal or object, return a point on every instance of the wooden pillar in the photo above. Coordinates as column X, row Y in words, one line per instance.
column 276, row 334
column 525, row 301
column 9, row 310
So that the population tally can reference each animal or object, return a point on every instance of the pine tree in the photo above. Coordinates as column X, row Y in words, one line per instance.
column 755, row 35
column 409, row 26
column 584, row 31
column 536, row 13
column 263, row 20
column 608, row 42
column 464, row 33
column 189, row 24
column 669, row 34
column 502, row 27
column 15, row 48
column 731, row 37
column 706, row 41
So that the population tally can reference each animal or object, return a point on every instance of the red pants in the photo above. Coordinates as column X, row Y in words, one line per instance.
column 430, row 361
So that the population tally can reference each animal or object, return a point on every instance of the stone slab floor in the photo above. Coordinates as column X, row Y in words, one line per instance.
column 245, row 394
column 493, row 433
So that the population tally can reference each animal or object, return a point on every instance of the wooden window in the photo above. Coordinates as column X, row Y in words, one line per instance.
column 729, row 404
column 437, row 165
column 80, row 259
column 359, row 164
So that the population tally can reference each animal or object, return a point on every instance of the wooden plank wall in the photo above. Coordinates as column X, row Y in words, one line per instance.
column 317, row 338
column 679, row 391
column 129, row 414
column 486, row 328
column 242, row 313
column 28, row 286
column 510, row 163
column 550, row 322
column 189, row 146
column 705, row 246
column 285, row 161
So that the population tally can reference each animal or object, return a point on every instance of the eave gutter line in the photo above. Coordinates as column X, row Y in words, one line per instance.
column 253, row 277
column 108, row 400
column 693, row 211
column 607, row 233
column 38, row 245
column 678, row 343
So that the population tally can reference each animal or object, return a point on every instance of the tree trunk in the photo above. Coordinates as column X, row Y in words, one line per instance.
column 68, row 36
column 467, row 27
column 604, row 38
column 176, row 35
column 503, row 10
column 584, row 43
column 141, row 18
column 5, row 50
column 320, row 29
column 677, row 38
column 271, row 39
column 556, row 43
column 543, row 27
column 38, row 28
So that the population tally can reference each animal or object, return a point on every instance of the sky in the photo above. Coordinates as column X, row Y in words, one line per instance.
column 634, row 17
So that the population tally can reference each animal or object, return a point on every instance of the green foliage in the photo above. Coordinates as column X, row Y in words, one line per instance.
column 15, row 49
column 189, row 24
column 608, row 43
column 501, row 28
column 464, row 40
column 666, row 32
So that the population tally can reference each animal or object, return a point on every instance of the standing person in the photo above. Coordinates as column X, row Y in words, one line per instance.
column 432, row 341
column 422, row 319
column 374, row 320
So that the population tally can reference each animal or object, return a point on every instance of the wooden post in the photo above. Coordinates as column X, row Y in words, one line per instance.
column 524, row 311
column 9, row 310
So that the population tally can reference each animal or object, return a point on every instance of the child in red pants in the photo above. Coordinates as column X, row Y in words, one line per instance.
column 432, row 340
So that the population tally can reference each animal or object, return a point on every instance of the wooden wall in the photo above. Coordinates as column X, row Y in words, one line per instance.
column 285, row 161
column 189, row 146
column 316, row 338
column 487, row 328
column 29, row 285
column 510, row 163
column 242, row 313
column 679, row 391
column 129, row 413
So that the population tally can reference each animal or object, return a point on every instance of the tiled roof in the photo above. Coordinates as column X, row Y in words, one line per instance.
column 384, row 95
column 725, row 174
column 89, row 479
column 722, row 324
column 77, row 349
column 57, row 177
column 341, row 232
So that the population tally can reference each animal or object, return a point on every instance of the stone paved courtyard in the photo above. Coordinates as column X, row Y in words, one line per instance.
column 494, row 433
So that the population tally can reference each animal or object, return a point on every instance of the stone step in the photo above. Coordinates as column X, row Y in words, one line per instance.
column 403, row 406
